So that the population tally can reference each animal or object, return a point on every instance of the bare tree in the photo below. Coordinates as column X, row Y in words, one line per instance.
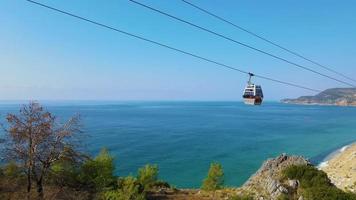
column 35, row 140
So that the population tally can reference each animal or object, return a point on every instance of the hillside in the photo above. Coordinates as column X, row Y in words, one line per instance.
column 334, row 96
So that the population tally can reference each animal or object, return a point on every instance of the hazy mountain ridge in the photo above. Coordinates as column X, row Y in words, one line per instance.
column 333, row 96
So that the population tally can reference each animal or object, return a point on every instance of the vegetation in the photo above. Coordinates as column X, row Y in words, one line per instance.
column 215, row 178
column 314, row 184
column 147, row 176
column 241, row 197
column 39, row 150
column 128, row 189
column 35, row 141
column 98, row 173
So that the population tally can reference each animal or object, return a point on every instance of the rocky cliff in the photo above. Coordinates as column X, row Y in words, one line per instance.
column 334, row 96
column 265, row 183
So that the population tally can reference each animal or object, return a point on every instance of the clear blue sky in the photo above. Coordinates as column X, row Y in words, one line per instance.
column 49, row 56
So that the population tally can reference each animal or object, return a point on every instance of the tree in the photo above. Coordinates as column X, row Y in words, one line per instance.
column 128, row 189
column 99, row 172
column 147, row 176
column 35, row 140
column 215, row 178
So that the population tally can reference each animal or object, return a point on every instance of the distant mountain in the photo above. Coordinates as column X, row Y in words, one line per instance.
column 334, row 96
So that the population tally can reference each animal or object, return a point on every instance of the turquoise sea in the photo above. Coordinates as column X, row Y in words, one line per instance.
column 183, row 138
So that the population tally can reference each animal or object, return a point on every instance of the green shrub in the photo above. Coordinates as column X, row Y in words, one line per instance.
column 128, row 189
column 315, row 184
column 241, row 197
column 215, row 178
column 65, row 173
column 161, row 184
column 12, row 170
column 99, row 172
column 147, row 176
column 283, row 197
column 308, row 176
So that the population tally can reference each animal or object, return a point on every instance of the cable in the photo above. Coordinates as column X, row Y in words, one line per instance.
column 240, row 43
column 266, row 40
column 166, row 46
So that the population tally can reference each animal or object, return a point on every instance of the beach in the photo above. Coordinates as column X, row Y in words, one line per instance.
column 341, row 168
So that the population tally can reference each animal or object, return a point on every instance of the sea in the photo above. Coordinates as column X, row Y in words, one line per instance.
column 184, row 137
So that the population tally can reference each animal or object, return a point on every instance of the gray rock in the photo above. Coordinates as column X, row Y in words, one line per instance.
column 293, row 184
column 265, row 182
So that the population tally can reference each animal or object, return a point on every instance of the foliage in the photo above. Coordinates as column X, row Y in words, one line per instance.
column 36, row 141
column 147, row 176
column 65, row 173
column 11, row 170
column 283, row 197
column 215, row 178
column 314, row 184
column 99, row 172
column 241, row 197
column 128, row 189
column 308, row 176
column 161, row 184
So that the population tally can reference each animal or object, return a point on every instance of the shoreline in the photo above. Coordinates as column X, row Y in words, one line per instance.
column 324, row 162
column 318, row 104
column 340, row 166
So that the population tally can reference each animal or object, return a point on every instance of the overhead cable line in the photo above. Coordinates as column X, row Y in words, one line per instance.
column 266, row 40
column 167, row 46
column 238, row 42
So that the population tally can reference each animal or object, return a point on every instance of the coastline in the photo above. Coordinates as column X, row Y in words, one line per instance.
column 340, row 166
column 332, row 154
column 318, row 104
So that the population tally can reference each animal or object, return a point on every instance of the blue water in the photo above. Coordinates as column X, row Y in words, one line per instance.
column 183, row 138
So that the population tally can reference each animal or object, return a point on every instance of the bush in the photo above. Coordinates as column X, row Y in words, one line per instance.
column 241, row 197
column 147, row 176
column 283, row 197
column 315, row 184
column 65, row 173
column 99, row 172
column 161, row 184
column 308, row 176
column 128, row 189
column 215, row 178
column 11, row 170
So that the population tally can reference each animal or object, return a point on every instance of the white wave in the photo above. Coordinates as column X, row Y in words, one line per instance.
column 323, row 164
column 344, row 148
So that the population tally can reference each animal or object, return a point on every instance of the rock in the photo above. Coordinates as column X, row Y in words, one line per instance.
column 293, row 184
column 265, row 182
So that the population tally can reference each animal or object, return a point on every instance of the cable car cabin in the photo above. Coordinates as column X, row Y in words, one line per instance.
column 253, row 94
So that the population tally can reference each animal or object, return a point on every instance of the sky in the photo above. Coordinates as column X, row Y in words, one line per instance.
column 48, row 56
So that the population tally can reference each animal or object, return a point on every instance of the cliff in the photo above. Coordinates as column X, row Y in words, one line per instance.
column 334, row 96
column 266, row 182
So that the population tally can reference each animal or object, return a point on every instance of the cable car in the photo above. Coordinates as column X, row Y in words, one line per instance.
column 253, row 94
